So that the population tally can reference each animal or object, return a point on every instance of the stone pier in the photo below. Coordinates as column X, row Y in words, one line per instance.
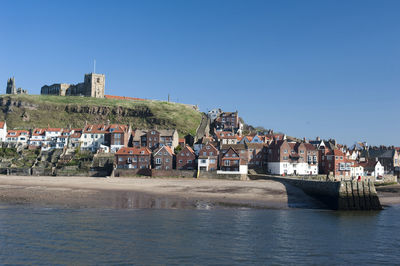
column 337, row 195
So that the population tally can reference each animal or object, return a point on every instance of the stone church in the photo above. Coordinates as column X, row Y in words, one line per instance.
column 11, row 89
column 92, row 86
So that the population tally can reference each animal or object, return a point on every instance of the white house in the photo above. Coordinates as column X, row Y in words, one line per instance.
column 3, row 131
column 373, row 168
column 17, row 136
column 37, row 138
column 356, row 169
column 292, row 158
column 93, row 137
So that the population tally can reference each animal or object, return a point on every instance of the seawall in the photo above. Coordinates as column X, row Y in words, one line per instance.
column 337, row 195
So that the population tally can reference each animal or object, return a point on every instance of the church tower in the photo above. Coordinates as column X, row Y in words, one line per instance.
column 11, row 86
column 95, row 85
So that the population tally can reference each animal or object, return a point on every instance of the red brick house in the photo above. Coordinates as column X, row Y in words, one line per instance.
column 229, row 121
column 335, row 162
column 135, row 158
column 230, row 160
column 163, row 158
column 257, row 153
column 186, row 159
column 118, row 136
column 153, row 139
column 292, row 158
column 208, row 158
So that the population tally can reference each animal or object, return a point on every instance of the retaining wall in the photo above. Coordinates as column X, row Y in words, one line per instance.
column 120, row 172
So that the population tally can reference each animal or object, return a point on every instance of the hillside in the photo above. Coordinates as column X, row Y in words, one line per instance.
column 30, row 111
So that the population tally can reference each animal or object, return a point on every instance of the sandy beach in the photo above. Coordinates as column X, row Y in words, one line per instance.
column 389, row 195
column 80, row 192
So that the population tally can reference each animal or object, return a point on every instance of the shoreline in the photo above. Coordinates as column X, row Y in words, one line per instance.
column 171, row 193
column 162, row 193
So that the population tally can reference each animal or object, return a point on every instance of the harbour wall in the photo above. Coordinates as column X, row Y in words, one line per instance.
column 337, row 195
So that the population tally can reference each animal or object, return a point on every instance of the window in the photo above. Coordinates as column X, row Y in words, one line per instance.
column 203, row 161
column 337, row 157
column 182, row 154
column 212, row 161
column 165, row 153
column 211, row 153
column 158, row 160
column 341, row 157
column 227, row 163
column 285, row 151
column 207, row 147
column 153, row 132
column 204, row 153
column 301, row 151
column 180, row 161
column 285, row 157
column 120, row 159
column 187, row 154
column 189, row 161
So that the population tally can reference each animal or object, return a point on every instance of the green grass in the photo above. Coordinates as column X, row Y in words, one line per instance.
column 8, row 153
column 44, row 110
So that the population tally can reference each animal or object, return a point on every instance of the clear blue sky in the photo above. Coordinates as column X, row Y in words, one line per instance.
column 306, row 68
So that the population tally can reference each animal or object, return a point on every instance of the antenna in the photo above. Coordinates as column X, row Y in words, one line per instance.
column 94, row 67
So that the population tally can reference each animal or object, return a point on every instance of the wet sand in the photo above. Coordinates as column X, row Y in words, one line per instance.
column 82, row 192
column 389, row 195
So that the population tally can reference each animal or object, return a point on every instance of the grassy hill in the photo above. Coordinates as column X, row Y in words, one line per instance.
column 30, row 111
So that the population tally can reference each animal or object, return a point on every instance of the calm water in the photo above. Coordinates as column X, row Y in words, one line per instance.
column 35, row 235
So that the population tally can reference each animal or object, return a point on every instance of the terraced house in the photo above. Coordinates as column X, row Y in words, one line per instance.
column 208, row 158
column 163, row 158
column 292, row 158
column 153, row 138
column 186, row 159
column 3, row 131
column 17, row 136
column 134, row 158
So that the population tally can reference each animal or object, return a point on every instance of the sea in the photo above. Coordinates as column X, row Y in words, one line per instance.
column 37, row 235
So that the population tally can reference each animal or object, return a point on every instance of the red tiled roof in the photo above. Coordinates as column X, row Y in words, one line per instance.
column 38, row 132
column 167, row 148
column 96, row 129
column 134, row 151
column 76, row 135
column 189, row 149
column 17, row 133
column 2, row 123
column 53, row 129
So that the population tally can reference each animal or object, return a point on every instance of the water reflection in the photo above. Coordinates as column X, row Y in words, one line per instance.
column 32, row 235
